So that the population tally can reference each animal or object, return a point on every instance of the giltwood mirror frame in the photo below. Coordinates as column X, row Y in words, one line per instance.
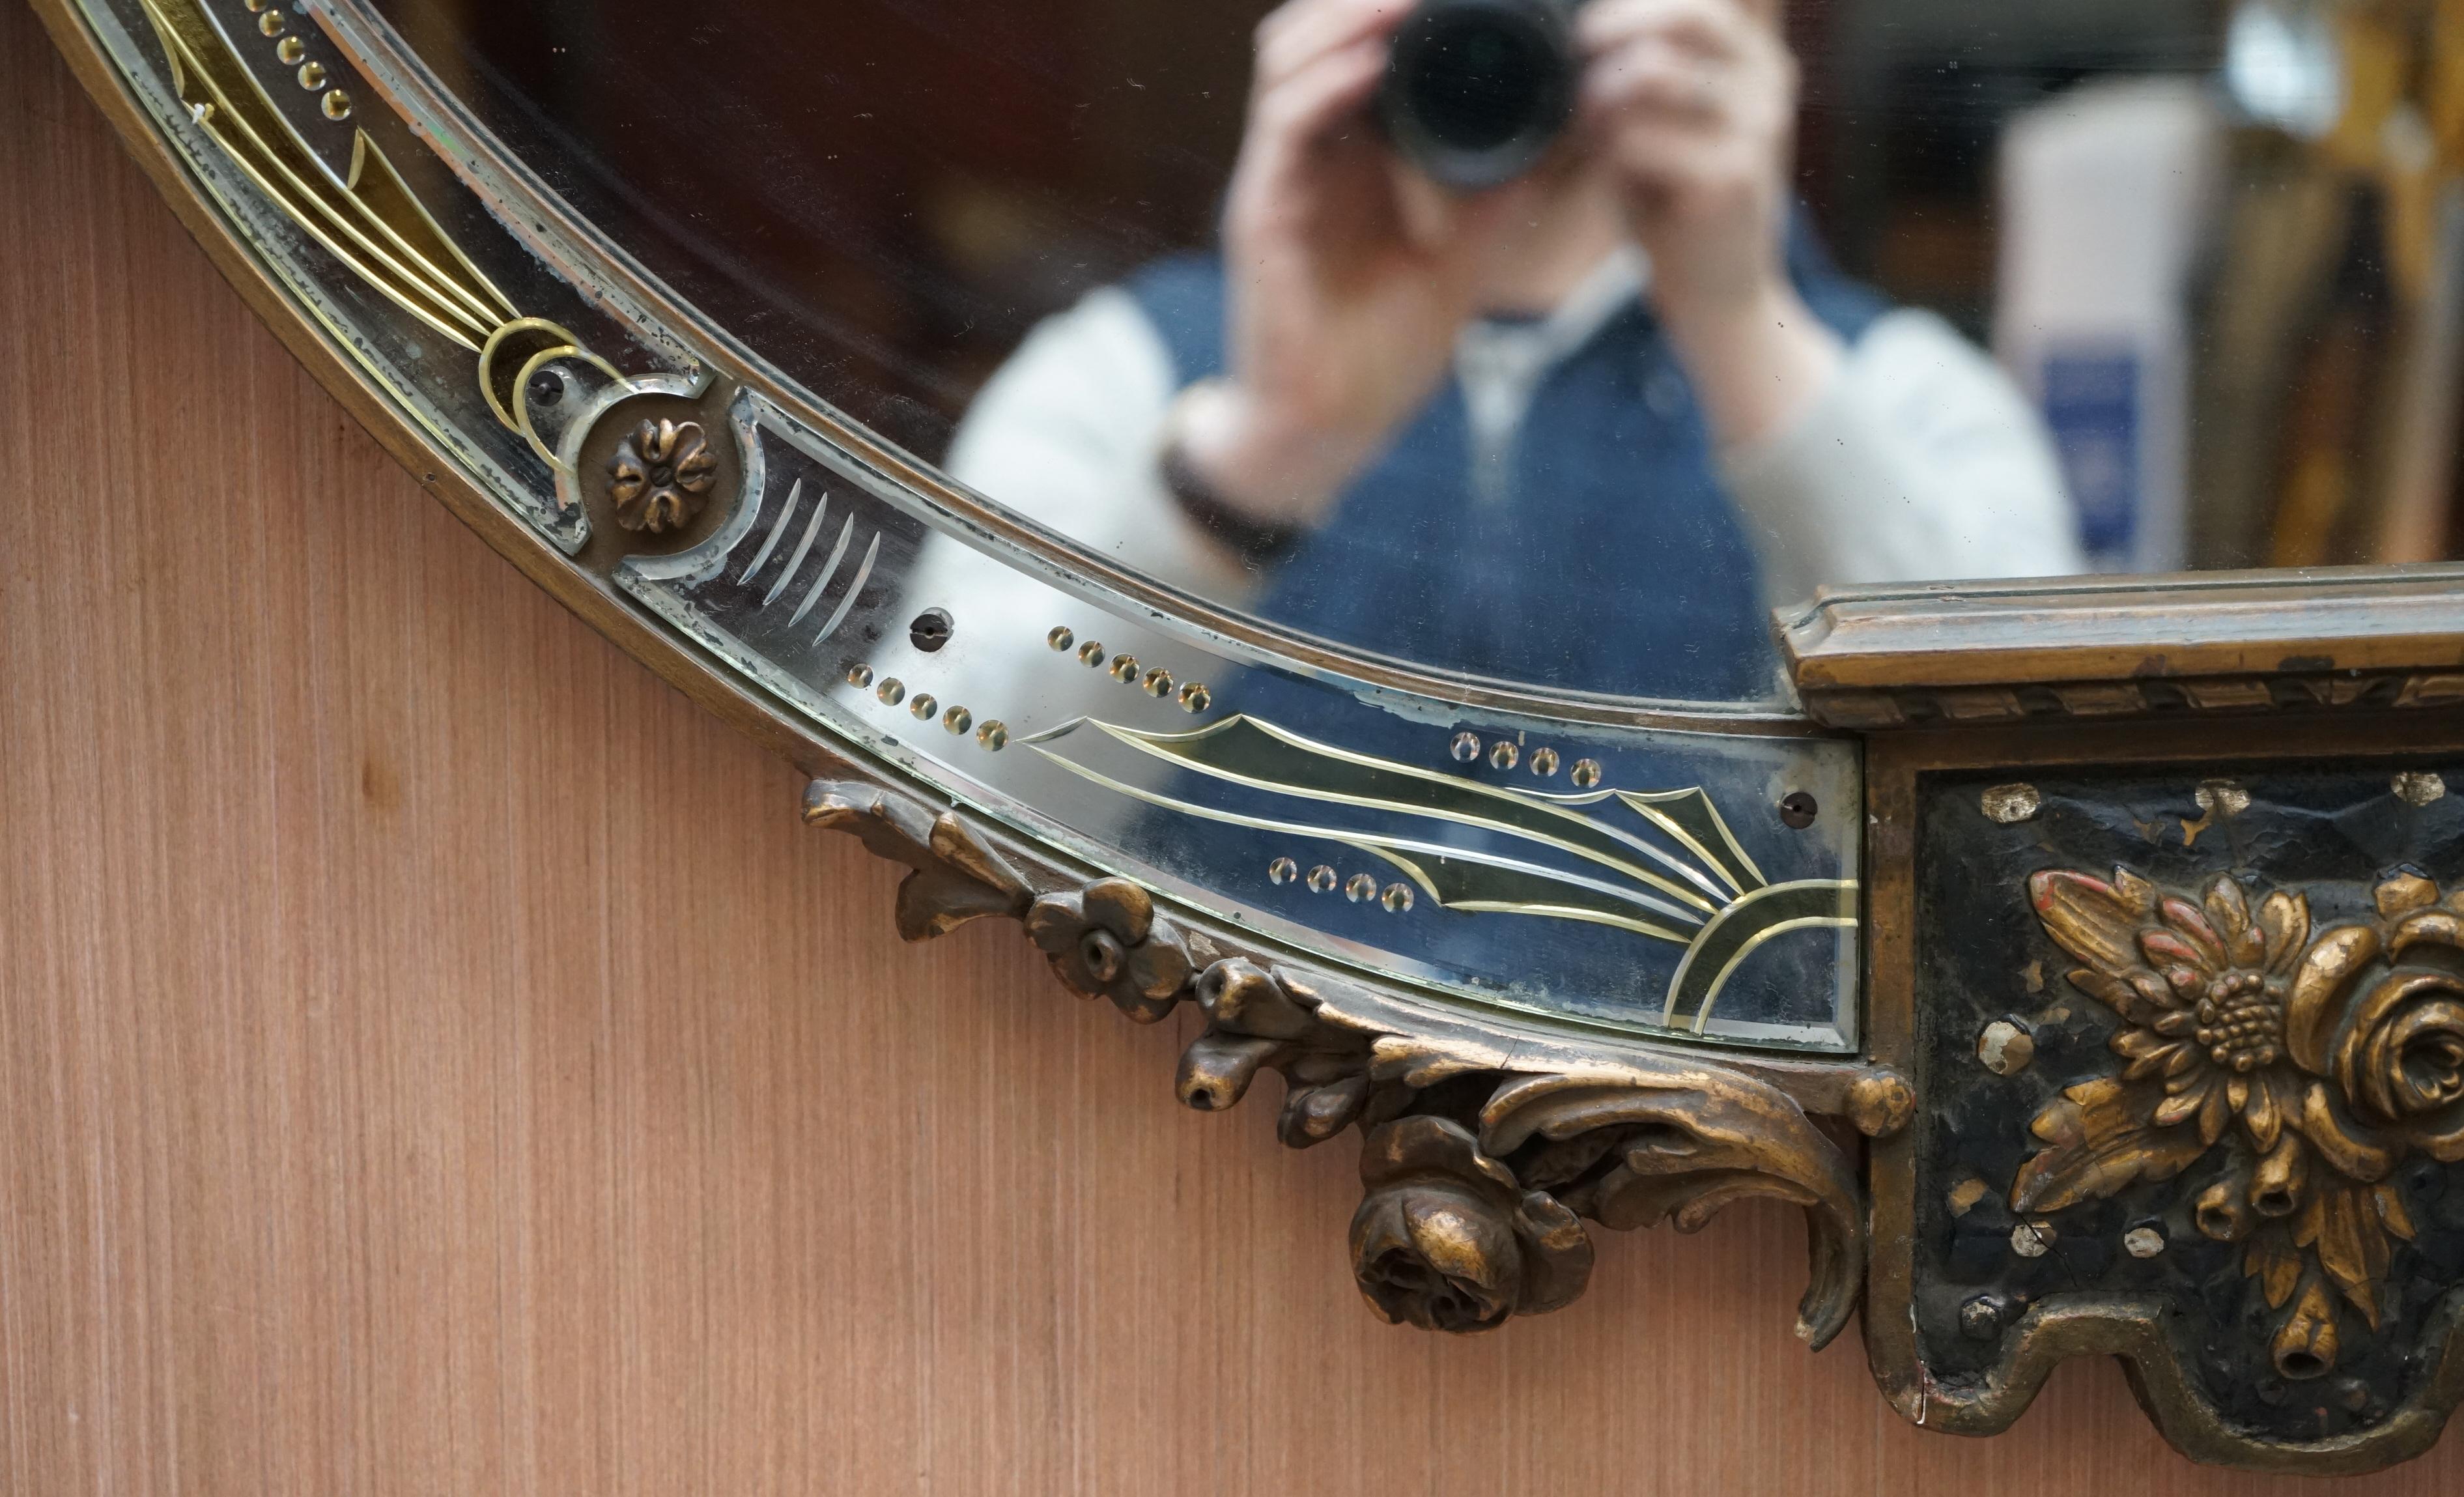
column 2108, row 1088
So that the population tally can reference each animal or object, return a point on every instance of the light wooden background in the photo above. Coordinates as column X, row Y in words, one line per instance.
column 434, row 1060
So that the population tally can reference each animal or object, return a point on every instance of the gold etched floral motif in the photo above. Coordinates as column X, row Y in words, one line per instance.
column 2313, row 1066
column 660, row 476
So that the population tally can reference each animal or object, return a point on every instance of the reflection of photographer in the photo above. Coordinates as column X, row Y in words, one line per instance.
column 1581, row 428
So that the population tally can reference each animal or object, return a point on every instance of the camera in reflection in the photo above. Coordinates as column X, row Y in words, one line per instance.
column 1476, row 90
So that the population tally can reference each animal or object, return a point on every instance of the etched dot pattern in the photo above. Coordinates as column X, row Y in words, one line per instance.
column 1359, row 888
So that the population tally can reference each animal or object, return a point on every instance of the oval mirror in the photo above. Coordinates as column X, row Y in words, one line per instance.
column 1384, row 519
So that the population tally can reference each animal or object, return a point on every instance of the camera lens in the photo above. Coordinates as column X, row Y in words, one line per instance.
column 1475, row 90
column 1479, row 83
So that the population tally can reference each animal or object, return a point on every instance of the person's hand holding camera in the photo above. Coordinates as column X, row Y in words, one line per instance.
column 1347, row 274
column 1692, row 104
column 1350, row 272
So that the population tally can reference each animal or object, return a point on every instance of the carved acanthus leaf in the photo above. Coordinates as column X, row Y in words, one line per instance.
column 1642, row 1147
column 2098, row 1141
column 955, row 879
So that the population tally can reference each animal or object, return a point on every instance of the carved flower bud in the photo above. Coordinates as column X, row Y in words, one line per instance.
column 2277, row 1186
column 2306, row 1345
column 1447, row 1241
column 2222, row 1211
column 1243, row 998
column 1315, row 1114
column 1217, row 1068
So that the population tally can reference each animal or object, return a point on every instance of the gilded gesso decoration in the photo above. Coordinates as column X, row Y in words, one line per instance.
column 2192, row 1091
column 2313, row 1063
column 1478, row 1172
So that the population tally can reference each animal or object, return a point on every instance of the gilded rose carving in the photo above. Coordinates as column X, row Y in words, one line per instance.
column 1446, row 1239
column 2313, row 1063
column 2380, row 1008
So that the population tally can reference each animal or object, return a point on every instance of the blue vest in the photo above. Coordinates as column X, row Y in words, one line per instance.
column 1614, row 563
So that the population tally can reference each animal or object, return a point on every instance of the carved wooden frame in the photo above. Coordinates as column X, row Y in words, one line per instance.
column 2129, row 1330
column 1488, row 1141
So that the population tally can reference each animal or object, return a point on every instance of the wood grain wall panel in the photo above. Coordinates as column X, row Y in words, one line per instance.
column 435, row 1060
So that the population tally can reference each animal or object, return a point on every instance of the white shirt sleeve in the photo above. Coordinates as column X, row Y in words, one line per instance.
column 1066, row 432
column 1920, row 462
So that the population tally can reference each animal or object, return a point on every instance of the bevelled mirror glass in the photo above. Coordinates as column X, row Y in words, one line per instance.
column 1335, row 464
column 1550, row 341
column 1513, row 352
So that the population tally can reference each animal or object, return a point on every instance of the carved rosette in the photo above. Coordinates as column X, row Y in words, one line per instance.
column 1105, row 942
column 661, row 475
column 2312, row 1064
column 1477, row 1181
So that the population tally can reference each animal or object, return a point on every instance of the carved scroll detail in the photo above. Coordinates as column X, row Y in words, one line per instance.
column 1637, row 1150
column 1477, row 1176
